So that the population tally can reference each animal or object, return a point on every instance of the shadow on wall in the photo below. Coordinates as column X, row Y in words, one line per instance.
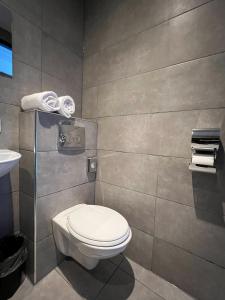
column 6, row 206
column 209, row 192
column 86, row 283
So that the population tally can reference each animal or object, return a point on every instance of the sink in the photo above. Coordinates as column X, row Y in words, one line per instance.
column 8, row 160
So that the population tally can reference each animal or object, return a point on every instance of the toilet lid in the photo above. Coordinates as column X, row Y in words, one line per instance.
column 97, row 225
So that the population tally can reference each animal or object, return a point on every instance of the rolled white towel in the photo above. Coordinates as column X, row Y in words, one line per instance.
column 46, row 101
column 67, row 106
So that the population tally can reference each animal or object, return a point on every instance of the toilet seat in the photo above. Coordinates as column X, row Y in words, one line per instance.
column 97, row 225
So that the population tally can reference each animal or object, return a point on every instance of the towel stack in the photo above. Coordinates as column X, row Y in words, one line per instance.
column 49, row 101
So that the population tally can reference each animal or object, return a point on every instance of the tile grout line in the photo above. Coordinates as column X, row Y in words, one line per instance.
column 107, row 281
column 132, row 35
column 40, row 27
column 192, row 253
column 156, row 69
column 155, row 113
column 143, row 154
column 158, row 197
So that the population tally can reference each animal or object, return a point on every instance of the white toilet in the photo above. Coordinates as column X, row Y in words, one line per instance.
column 88, row 233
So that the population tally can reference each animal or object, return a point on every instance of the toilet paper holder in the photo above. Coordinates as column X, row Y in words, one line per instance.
column 204, row 145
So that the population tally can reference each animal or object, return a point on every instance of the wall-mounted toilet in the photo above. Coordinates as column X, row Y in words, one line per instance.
column 88, row 233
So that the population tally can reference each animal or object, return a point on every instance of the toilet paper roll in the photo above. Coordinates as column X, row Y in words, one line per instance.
column 203, row 159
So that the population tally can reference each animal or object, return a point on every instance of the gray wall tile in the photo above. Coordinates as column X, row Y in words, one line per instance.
column 9, row 136
column 60, row 62
column 26, row 80
column 27, row 172
column 27, row 130
column 101, row 25
column 192, row 85
column 26, row 40
column 200, row 232
column 157, row 134
column 137, row 208
column 70, row 169
column 133, row 171
column 30, row 9
column 175, row 180
column 90, row 103
column 29, row 268
column 49, row 206
column 202, row 279
column 161, row 46
column 140, row 248
column 47, row 257
column 27, row 221
column 68, row 28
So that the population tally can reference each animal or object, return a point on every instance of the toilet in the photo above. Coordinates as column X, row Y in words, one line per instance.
column 89, row 233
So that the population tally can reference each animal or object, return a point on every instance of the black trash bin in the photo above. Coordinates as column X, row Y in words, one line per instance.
column 13, row 254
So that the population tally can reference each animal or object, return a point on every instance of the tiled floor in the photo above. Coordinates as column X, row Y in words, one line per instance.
column 117, row 279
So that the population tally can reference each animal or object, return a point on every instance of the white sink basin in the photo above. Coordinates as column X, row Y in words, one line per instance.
column 8, row 160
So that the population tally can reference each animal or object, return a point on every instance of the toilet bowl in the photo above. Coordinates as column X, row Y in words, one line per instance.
column 88, row 233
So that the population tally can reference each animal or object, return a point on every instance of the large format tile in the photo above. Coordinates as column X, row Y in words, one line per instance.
column 48, row 131
column 192, row 35
column 60, row 62
column 158, row 134
column 27, row 216
column 86, row 284
column 151, row 134
column 137, row 208
column 47, row 257
column 57, row 171
column 175, row 180
column 198, row 33
column 133, row 171
column 26, row 80
column 90, row 103
column 191, row 85
column 27, row 130
column 26, row 41
column 64, row 21
column 178, row 184
column 157, row 284
column 27, row 172
column 198, row 277
column 200, row 232
column 51, row 287
column 140, row 248
column 49, row 206
column 29, row 9
column 119, row 17
column 123, row 286
column 63, row 87
column 9, row 116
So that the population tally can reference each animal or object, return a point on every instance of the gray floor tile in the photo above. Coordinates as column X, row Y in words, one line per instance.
column 157, row 284
column 122, row 286
column 86, row 283
column 51, row 287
